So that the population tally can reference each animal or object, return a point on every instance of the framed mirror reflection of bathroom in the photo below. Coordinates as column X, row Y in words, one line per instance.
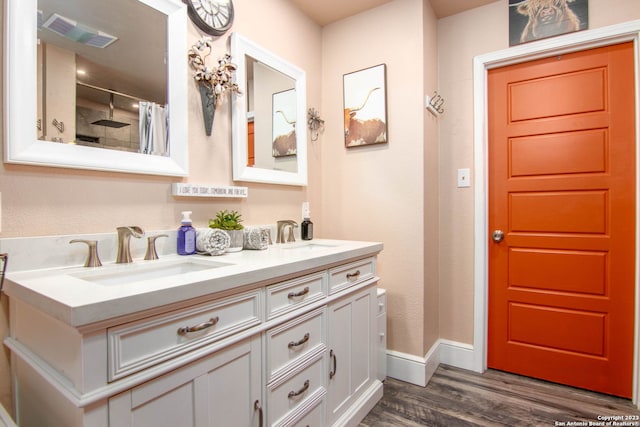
column 87, row 87
column 269, row 136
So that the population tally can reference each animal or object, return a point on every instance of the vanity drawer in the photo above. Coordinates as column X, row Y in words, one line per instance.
column 313, row 418
column 288, row 395
column 138, row 345
column 347, row 275
column 312, row 414
column 292, row 341
column 287, row 296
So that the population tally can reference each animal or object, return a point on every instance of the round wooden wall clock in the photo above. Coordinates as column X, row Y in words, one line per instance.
column 211, row 16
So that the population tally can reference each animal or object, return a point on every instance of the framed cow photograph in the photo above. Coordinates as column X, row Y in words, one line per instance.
column 365, row 106
column 531, row 20
column 283, row 126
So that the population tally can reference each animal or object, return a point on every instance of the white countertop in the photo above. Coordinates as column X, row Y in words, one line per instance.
column 63, row 294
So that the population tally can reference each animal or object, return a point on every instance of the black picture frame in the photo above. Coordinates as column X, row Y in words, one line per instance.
column 531, row 20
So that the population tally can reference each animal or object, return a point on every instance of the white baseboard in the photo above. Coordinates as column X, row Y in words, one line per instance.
column 418, row 370
column 457, row 354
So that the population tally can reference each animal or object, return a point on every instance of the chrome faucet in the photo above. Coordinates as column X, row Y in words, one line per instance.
column 282, row 226
column 124, row 235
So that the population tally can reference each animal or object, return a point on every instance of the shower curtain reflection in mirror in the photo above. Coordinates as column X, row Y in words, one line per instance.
column 154, row 128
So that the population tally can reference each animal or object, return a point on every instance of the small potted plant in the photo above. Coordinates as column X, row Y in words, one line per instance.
column 230, row 222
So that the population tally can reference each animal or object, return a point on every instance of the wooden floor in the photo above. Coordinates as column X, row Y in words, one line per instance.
column 455, row 397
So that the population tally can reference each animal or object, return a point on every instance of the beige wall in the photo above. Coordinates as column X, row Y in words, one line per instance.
column 460, row 38
column 377, row 192
column 431, row 177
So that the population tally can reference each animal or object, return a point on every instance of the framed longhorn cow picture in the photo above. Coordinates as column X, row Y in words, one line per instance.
column 365, row 106
column 283, row 126
column 531, row 20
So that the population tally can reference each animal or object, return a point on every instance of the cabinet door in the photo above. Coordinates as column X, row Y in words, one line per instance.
column 219, row 390
column 351, row 349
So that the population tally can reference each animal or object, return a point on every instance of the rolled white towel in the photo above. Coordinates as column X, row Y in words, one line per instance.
column 212, row 241
column 256, row 238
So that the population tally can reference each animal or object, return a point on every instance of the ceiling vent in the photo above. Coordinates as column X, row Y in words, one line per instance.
column 77, row 32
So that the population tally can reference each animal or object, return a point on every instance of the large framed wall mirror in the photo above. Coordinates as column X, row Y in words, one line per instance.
column 269, row 117
column 88, row 88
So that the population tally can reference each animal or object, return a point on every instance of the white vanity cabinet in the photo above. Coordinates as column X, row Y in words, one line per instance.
column 294, row 348
column 352, row 354
column 223, row 389
column 352, row 344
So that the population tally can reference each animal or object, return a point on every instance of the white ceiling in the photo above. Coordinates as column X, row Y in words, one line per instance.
column 328, row 11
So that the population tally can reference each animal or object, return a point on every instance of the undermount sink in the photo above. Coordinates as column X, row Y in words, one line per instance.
column 129, row 273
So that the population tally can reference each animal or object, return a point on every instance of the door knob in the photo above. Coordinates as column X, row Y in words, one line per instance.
column 497, row 236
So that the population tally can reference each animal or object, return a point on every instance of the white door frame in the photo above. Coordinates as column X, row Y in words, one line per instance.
column 629, row 31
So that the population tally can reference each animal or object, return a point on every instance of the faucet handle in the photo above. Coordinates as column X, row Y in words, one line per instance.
column 93, row 260
column 151, row 247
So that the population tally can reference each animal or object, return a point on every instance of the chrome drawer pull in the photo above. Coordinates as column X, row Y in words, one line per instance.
column 205, row 325
column 293, row 344
column 353, row 275
column 304, row 388
column 299, row 294
column 258, row 407
column 332, row 355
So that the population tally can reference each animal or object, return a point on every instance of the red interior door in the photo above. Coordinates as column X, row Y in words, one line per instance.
column 562, row 190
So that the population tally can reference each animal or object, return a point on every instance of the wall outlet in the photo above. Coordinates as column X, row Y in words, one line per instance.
column 464, row 178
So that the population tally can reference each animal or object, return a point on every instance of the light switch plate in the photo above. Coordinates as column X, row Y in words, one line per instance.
column 464, row 178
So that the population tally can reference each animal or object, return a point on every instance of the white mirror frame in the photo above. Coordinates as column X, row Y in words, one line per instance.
column 20, row 145
column 241, row 47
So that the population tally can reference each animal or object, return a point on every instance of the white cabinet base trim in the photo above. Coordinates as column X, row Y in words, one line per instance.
column 362, row 406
